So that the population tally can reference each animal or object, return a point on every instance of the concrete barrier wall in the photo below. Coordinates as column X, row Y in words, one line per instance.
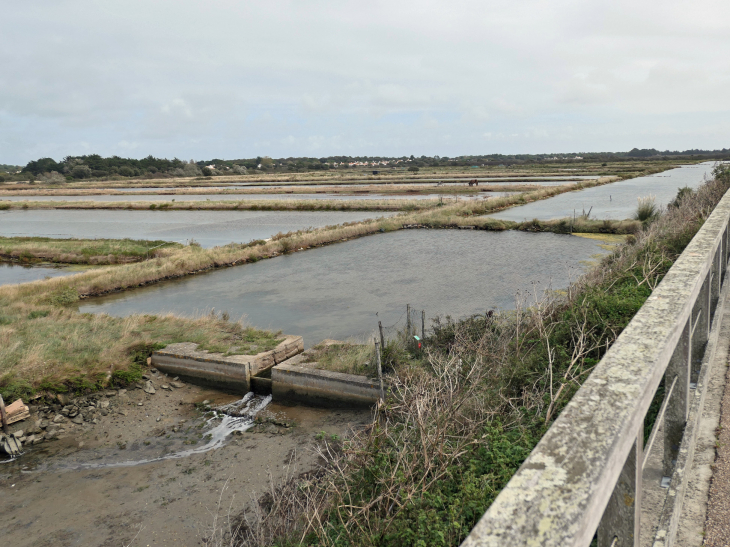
column 322, row 387
column 230, row 372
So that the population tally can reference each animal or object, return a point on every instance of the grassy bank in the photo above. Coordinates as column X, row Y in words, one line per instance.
column 82, row 251
column 460, row 421
column 32, row 362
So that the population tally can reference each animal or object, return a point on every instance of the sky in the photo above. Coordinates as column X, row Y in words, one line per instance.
column 240, row 79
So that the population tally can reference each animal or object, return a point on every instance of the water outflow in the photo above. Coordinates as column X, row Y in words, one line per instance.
column 236, row 416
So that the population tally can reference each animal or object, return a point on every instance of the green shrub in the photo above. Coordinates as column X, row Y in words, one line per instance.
column 64, row 297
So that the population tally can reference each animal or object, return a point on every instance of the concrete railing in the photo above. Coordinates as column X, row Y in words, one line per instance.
column 584, row 477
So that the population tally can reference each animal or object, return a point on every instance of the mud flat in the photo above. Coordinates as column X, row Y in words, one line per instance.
column 154, row 467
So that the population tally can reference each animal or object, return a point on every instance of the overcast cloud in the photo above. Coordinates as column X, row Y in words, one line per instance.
column 234, row 79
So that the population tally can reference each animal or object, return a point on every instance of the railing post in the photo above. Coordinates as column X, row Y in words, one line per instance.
column 675, row 417
column 622, row 518
column 700, row 327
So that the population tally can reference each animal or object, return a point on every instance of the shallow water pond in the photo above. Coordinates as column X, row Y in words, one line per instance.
column 617, row 200
column 343, row 290
column 209, row 228
column 11, row 273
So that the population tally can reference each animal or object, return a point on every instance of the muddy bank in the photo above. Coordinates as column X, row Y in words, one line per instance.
column 88, row 487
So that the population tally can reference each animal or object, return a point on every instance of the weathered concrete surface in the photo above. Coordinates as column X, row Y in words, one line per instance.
column 717, row 524
column 231, row 372
column 691, row 528
column 322, row 387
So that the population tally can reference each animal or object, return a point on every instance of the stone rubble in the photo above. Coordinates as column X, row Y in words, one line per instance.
column 63, row 414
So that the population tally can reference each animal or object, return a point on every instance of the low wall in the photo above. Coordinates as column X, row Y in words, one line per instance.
column 322, row 387
column 230, row 372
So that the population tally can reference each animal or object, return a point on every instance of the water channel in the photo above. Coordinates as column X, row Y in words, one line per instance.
column 343, row 290
column 209, row 228
column 244, row 197
column 613, row 201
column 15, row 273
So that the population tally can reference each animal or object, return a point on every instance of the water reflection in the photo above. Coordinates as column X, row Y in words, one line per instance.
column 343, row 290
column 15, row 273
column 209, row 228
column 613, row 201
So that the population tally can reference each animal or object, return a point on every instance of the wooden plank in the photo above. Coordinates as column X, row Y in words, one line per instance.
column 17, row 412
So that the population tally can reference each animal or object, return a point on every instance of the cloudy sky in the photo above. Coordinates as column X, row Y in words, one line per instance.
column 233, row 79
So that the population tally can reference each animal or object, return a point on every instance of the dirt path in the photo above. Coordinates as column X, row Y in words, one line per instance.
column 78, row 490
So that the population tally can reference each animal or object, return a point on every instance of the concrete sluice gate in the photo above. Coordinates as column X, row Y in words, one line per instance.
column 281, row 372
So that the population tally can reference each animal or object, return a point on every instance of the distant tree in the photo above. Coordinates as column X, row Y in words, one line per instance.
column 43, row 165
column 54, row 177
column 81, row 172
column 413, row 169
column 207, row 171
column 240, row 170
column 267, row 162
column 126, row 171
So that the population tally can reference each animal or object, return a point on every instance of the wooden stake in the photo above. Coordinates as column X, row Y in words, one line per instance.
column 380, row 371
column 382, row 338
column 423, row 325
column 3, row 416
column 408, row 320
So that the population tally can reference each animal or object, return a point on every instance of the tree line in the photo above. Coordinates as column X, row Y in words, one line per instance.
column 95, row 166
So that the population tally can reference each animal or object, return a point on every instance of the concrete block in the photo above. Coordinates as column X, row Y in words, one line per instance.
column 291, row 382
column 230, row 372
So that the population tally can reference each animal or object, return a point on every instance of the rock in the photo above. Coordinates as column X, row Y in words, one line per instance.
column 18, row 434
column 145, row 376
column 79, row 419
column 51, row 434
column 165, row 386
column 140, row 403
column 9, row 445
column 149, row 388
column 177, row 384
column 121, row 392
column 37, row 439
column 158, row 418
column 104, row 404
column 122, row 412
column 43, row 424
column 30, row 439
column 63, row 398
column 35, row 428
column 104, row 411
column 110, row 393
column 176, row 378
column 153, row 370
column 206, row 402
column 59, row 419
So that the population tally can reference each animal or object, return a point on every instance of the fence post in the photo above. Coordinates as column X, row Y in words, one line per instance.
column 423, row 324
column 380, row 371
column 675, row 418
column 622, row 517
column 382, row 338
column 408, row 321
